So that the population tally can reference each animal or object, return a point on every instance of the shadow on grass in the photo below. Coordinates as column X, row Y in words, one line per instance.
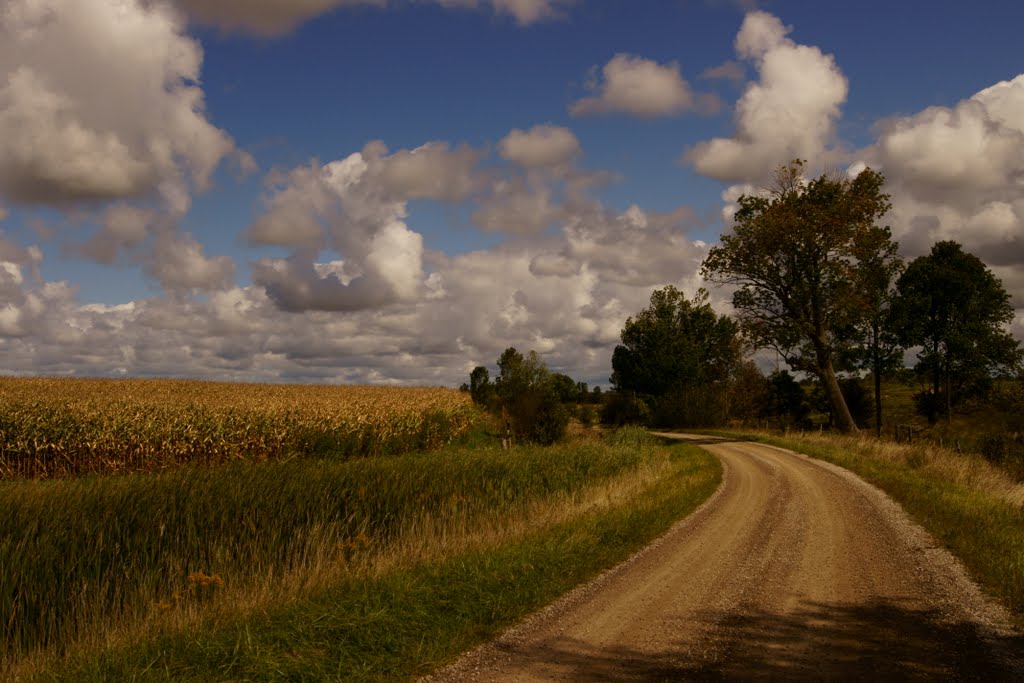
column 883, row 641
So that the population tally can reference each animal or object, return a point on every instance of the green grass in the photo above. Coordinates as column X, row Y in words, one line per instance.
column 112, row 549
column 971, row 507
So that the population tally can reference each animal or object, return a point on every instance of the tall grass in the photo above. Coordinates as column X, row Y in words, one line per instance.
column 405, row 608
column 82, row 556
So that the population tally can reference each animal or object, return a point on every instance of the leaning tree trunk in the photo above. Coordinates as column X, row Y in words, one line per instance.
column 840, row 411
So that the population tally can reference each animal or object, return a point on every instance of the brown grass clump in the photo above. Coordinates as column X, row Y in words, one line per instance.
column 966, row 469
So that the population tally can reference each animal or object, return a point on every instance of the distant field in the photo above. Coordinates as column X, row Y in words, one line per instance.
column 67, row 427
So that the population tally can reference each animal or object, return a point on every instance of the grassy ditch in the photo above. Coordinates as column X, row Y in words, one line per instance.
column 370, row 569
column 974, row 508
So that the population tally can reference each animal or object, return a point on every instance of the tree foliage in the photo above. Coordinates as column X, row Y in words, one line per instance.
column 787, row 402
column 678, row 355
column 749, row 393
column 878, row 347
column 529, row 396
column 565, row 387
column 480, row 388
column 624, row 408
column 952, row 306
column 794, row 256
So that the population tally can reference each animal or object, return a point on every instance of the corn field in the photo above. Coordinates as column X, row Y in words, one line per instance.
column 53, row 428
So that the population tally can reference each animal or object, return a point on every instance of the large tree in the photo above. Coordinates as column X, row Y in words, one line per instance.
column 675, row 345
column 952, row 306
column 878, row 349
column 794, row 255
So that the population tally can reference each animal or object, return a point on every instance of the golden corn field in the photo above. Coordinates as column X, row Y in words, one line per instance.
column 66, row 427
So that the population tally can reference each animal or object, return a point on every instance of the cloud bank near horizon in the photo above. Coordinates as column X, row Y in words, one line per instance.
column 354, row 290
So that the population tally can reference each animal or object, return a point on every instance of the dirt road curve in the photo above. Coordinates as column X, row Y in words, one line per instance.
column 794, row 569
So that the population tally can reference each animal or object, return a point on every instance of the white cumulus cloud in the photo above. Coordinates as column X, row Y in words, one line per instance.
column 99, row 100
column 541, row 146
column 638, row 86
column 789, row 112
column 123, row 227
column 962, row 155
column 519, row 207
column 355, row 206
column 179, row 264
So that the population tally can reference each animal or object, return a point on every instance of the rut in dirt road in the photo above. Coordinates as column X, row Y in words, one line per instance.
column 794, row 569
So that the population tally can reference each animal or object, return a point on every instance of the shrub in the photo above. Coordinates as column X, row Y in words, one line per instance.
column 527, row 395
column 703, row 406
column 586, row 414
column 623, row 408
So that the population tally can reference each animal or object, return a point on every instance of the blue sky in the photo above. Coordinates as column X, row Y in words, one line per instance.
column 186, row 187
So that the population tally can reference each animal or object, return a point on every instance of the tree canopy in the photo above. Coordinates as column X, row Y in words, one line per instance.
column 480, row 387
column 877, row 346
column 529, row 396
column 674, row 345
column 794, row 255
column 952, row 306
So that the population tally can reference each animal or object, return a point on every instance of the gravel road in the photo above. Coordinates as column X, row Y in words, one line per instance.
column 793, row 569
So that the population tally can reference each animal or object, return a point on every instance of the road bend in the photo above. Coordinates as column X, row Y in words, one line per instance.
column 794, row 569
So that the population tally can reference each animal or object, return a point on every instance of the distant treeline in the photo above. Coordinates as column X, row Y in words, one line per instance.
column 815, row 281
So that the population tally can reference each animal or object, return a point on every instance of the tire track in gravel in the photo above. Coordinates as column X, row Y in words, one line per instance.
column 794, row 569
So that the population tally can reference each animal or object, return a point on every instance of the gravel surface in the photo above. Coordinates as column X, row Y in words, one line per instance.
column 794, row 569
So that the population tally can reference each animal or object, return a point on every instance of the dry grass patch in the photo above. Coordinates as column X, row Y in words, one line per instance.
column 966, row 469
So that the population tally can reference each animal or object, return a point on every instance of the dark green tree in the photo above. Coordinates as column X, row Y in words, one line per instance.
column 878, row 349
column 674, row 350
column 565, row 387
column 855, row 393
column 794, row 255
column 480, row 387
column 518, row 373
column 529, row 398
column 787, row 401
column 624, row 408
column 749, row 392
column 952, row 306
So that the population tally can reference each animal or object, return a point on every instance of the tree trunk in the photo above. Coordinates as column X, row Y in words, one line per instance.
column 840, row 411
column 876, row 370
column 878, row 403
column 949, row 394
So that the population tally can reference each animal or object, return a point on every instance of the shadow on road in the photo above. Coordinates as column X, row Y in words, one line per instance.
column 884, row 641
column 695, row 439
